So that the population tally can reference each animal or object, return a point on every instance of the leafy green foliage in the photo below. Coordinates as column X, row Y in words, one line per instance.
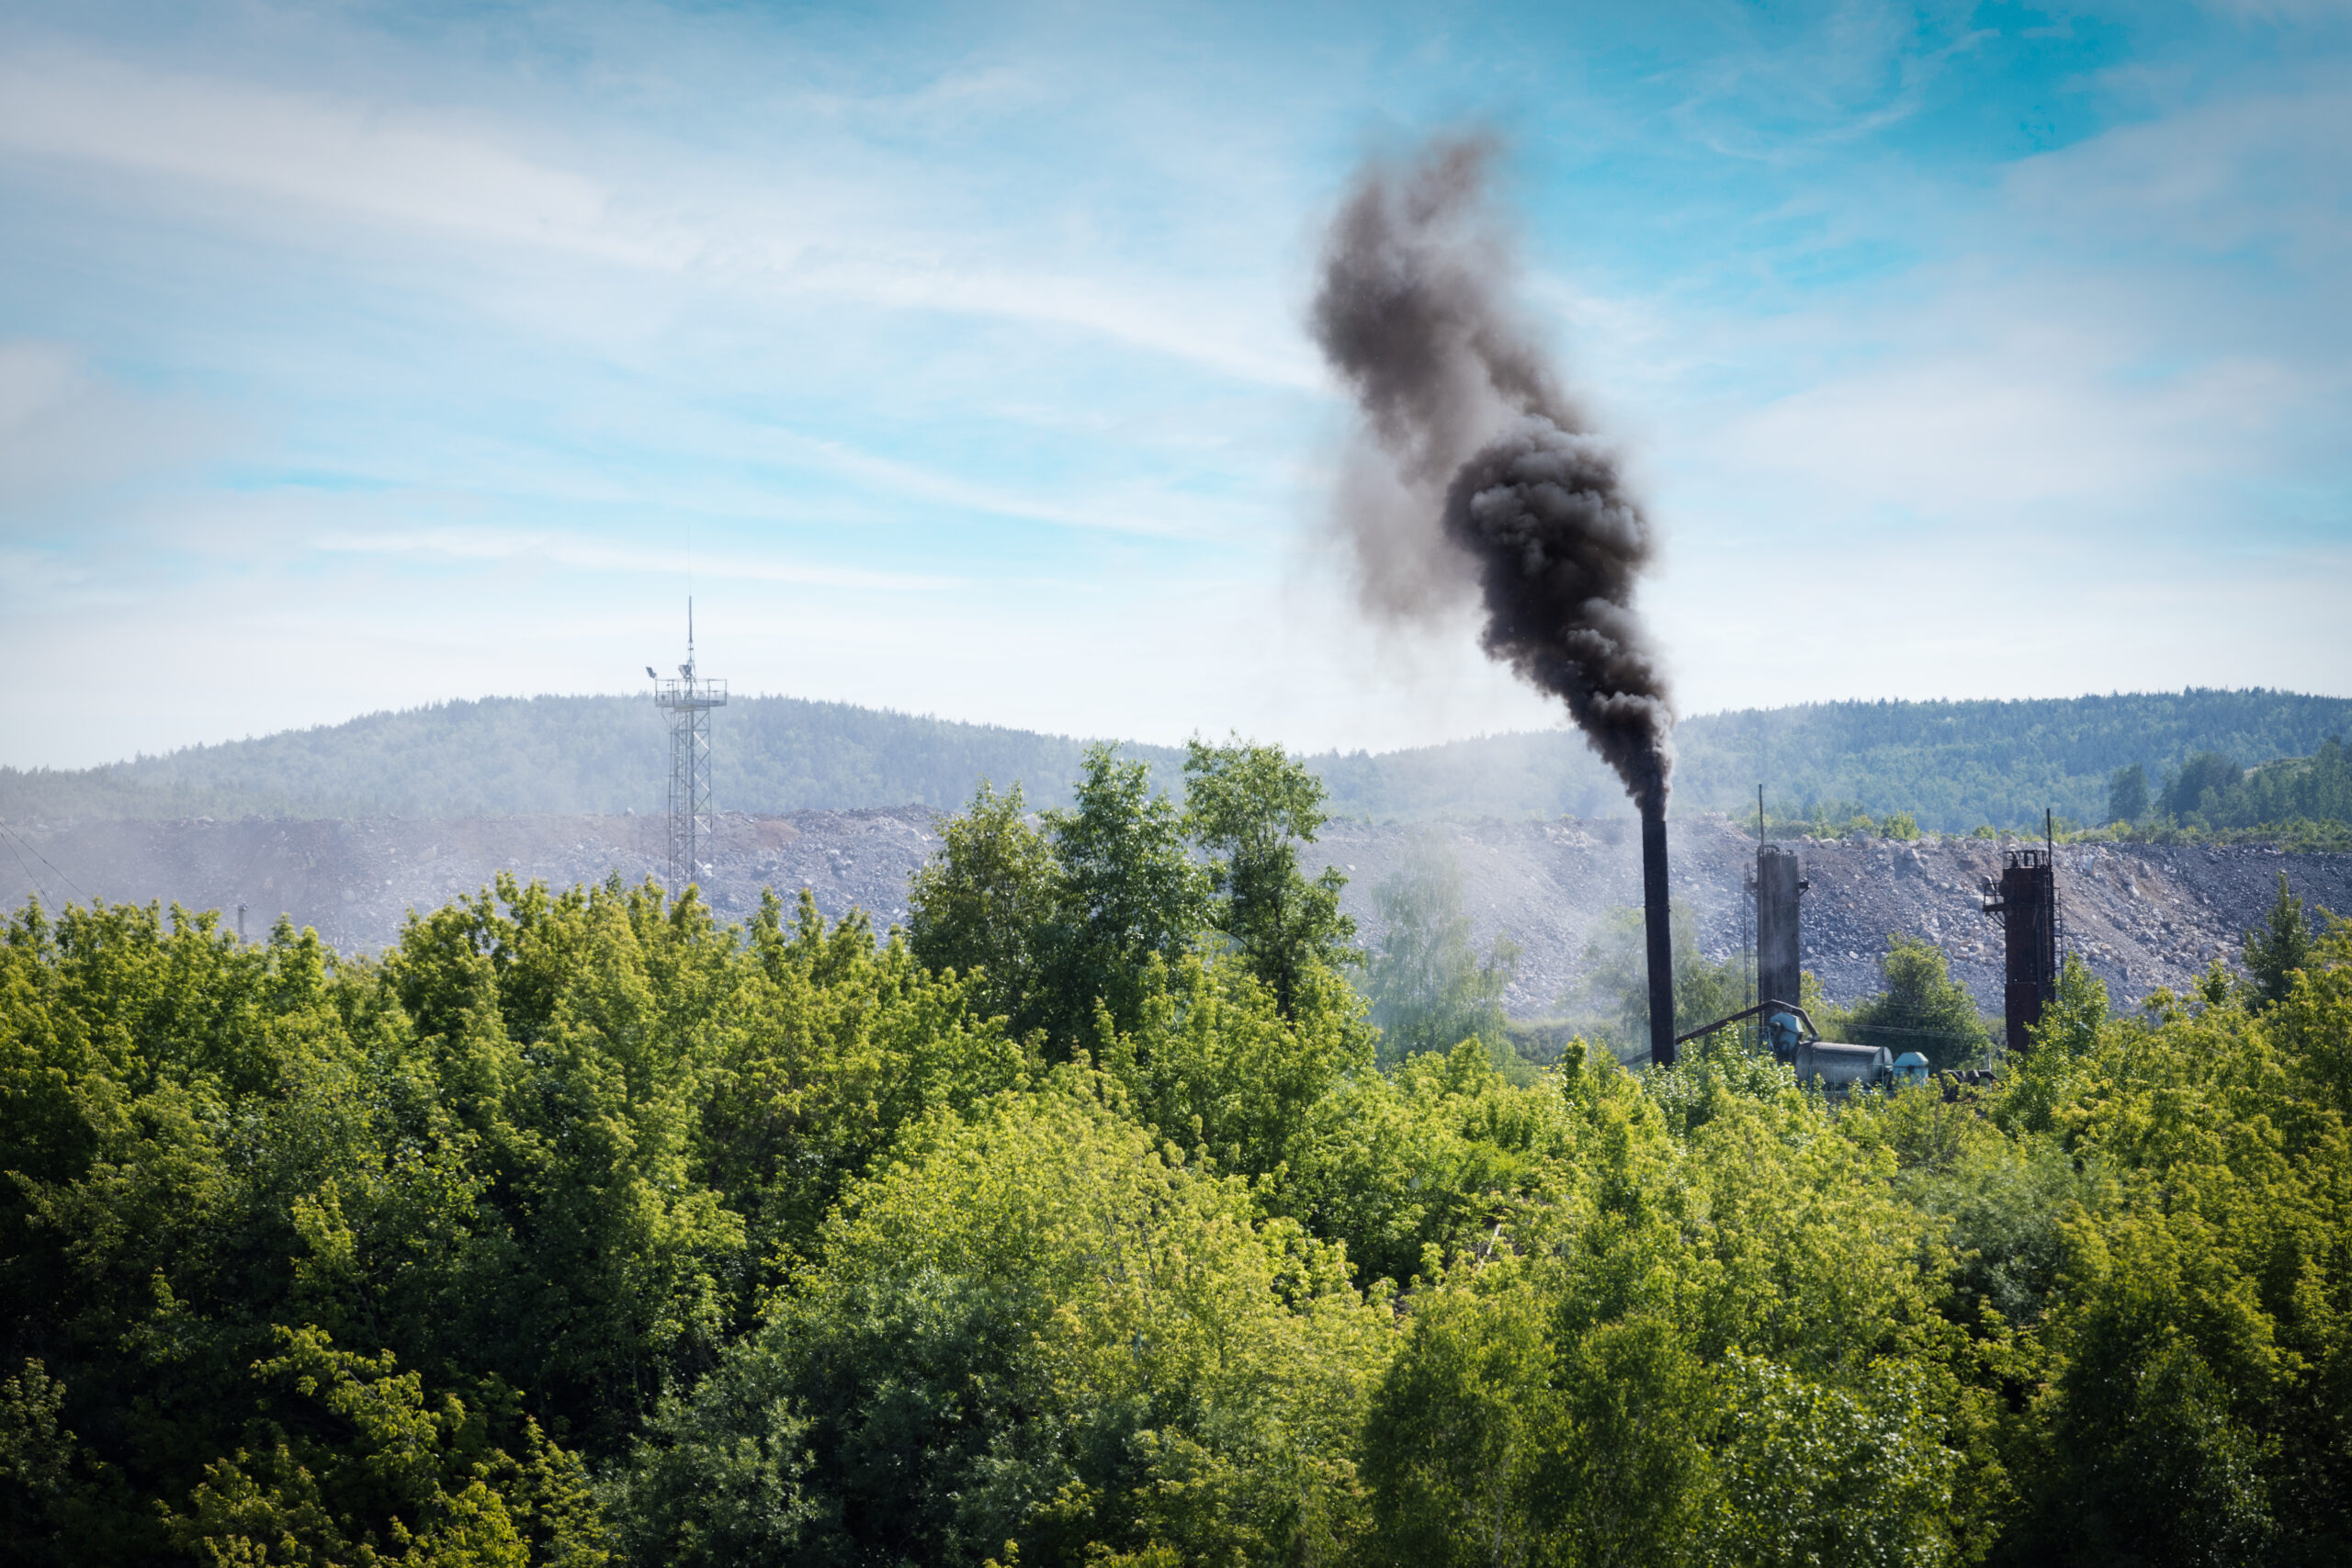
column 580, row 1230
column 1430, row 988
column 1609, row 1384
column 1215, row 1065
column 1612, row 1002
column 1923, row 1008
column 1129, row 893
column 2127, row 794
column 2196, row 787
column 1066, row 917
column 350, row 1442
column 2280, row 947
column 1423, row 1163
column 1041, row 1328
column 2210, row 790
column 2197, row 1339
column 1250, row 807
column 544, row 1159
column 986, row 902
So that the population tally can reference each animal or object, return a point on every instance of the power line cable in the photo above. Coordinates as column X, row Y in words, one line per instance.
column 28, row 872
column 1905, row 1029
column 44, row 860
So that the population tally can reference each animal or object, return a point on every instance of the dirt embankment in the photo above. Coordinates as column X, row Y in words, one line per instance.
column 355, row 880
column 2143, row 917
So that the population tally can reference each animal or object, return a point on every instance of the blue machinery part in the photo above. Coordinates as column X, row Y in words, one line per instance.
column 1837, row 1068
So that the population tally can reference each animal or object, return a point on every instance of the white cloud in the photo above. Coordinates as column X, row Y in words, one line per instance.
column 2270, row 169
column 376, row 161
column 2036, row 417
column 797, row 230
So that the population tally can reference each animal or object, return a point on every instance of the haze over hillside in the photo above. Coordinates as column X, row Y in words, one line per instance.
column 1955, row 764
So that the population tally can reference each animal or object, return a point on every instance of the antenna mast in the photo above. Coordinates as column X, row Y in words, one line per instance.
column 689, row 700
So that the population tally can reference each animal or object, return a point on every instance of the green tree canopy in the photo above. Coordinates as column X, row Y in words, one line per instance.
column 987, row 901
column 1430, row 987
column 1250, row 807
column 580, row 1230
column 1129, row 892
column 2127, row 794
column 1044, row 1331
column 2281, row 948
column 2200, row 784
column 1611, row 1001
column 1923, row 1008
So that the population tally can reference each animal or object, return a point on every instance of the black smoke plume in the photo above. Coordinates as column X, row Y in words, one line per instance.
column 1477, row 470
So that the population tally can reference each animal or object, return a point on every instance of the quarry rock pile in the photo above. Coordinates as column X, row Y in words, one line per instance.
column 2143, row 916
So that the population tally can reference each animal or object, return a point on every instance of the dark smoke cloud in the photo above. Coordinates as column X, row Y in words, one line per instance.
column 1477, row 472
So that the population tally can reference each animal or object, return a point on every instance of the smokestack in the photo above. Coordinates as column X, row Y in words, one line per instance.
column 1476, row 478
column 1661, row 933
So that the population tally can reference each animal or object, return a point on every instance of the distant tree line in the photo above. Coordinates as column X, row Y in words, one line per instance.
column 2209, row 790
column 1950, row 766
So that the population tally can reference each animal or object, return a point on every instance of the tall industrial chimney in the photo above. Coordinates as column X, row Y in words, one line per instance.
column 1661, row 935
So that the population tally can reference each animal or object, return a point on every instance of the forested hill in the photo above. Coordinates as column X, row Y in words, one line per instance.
column 568, row 755
column 1954, row 764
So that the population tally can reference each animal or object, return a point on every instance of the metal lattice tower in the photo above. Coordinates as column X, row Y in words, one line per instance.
column 689, row 698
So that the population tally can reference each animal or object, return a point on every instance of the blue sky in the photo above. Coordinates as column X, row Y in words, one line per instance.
column 359, row 355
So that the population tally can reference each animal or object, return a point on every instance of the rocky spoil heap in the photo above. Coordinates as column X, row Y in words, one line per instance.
column 2143, row 916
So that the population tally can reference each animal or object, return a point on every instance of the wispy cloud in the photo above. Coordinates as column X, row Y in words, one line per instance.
column 382, row 163
column 588, row 554
column 455, row 176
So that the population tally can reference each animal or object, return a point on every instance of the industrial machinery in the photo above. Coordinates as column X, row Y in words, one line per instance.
column 1838, row 1068
column 2026, row 899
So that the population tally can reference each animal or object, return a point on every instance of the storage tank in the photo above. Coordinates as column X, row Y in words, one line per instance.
column 1839, row 1067
column 1834, row 1066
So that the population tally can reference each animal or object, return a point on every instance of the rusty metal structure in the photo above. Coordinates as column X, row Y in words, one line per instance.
column 1778, row 887
column 2026, row 899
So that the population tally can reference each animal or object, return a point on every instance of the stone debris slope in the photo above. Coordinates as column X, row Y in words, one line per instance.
column 2143, row 916
column 355, row 880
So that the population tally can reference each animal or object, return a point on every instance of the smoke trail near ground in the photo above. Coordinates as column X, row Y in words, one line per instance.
column 1476, row 471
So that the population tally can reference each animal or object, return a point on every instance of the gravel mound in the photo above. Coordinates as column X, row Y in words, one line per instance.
column 2143, row 917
